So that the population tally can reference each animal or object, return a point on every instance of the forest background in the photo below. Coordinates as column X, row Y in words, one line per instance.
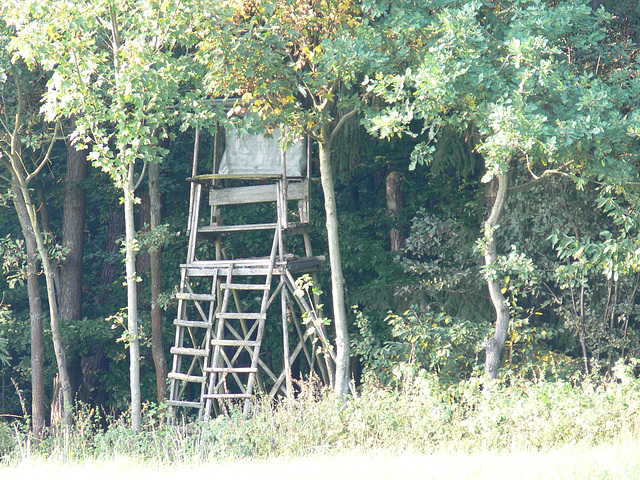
column 486, row 184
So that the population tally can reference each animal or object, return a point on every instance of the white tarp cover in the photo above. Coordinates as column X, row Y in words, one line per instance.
column 257, row 154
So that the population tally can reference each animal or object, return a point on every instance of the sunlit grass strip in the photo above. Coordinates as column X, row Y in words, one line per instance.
column 425, row 417
column 616, row 460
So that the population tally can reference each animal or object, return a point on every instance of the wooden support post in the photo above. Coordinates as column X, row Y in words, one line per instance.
column 285, row 342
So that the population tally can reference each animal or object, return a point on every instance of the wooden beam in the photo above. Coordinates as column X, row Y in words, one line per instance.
column 256, row 193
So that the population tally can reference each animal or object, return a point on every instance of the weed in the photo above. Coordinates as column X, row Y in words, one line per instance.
column 423, row 416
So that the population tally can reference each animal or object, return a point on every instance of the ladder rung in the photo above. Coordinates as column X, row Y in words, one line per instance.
column 200, row 297
column 184, row 403
column 195, row 352
column 201, row 271
column 243, row 286
column 215, row 396
column 235, row 343
column 191, row 323
column 186, row 378
column 242, row 316
column 231, row 370
column 236, row 228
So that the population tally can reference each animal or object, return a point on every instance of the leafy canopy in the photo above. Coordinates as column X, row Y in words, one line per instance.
column 295, row 61
column 538, row 84
column 117, row 67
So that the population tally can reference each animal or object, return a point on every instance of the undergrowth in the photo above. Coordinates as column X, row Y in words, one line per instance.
column 421, row 416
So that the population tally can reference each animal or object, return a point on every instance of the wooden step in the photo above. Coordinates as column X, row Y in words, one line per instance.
column 203, row 269
column 221, row 229
column 216, row 396
column 294, row 228
column 194, row 352
column 231, row 370
column 183, row 377
column 234, row 343
column 192, row 323
column 200, row 297
column 242, row 316
column 184, row 403
column 251, row 266
column 244, row 286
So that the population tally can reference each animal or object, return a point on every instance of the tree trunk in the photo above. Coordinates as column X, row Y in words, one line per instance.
column 51, row 295
column 157, row 345
column 35, row 313
column 57, row 403
column 495, row 344
column 110, row 270
column 73, row 236
column 395, row 204
column 143, row 258
column 335, row 261
column 132, row 298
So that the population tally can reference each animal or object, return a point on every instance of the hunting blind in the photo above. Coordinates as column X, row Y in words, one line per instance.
column 225, row 304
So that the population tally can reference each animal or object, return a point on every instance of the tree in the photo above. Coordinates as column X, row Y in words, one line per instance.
column 25, row 148
column 159, row 359
column 299, row 65
column 113, row 68
column 74, row 211
column 545, row 95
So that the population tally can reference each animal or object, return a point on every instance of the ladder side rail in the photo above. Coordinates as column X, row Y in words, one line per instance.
column 275, row 248
column 216, row 350
column 215, row 292
column 243, row 323
column 193, row 223
column 194, row 172
column 179, row 336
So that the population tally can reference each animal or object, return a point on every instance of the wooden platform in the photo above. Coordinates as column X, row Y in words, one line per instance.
column 252, row 266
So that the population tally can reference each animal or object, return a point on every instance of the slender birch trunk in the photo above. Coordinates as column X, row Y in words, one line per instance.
column 335, row 261
column 132, row 299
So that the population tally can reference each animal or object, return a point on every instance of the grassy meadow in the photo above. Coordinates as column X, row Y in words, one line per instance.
column 520, row 429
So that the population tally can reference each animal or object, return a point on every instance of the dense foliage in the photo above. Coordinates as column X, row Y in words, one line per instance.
column 452, row 95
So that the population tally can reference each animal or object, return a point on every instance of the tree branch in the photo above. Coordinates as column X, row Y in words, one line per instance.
column 341, row 122
column 16, row 127
column 538, row 179
column 144, row 169
column 331, row 92
column 45, row 160
column 5, row 127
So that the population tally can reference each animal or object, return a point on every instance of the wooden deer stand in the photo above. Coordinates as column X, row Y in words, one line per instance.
column 224, row 304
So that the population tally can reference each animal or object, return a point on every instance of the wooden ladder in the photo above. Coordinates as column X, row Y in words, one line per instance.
column 192, row 346
column 212, row 341
column 237, row 333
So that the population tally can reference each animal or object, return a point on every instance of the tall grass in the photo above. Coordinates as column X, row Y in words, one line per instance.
column 423, row 419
